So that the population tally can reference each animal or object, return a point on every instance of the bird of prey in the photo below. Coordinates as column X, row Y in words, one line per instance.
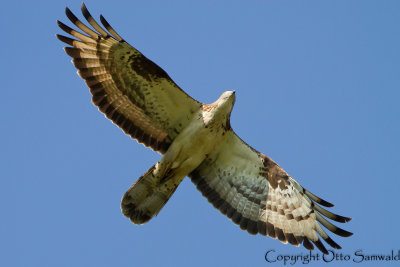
column 196, row 140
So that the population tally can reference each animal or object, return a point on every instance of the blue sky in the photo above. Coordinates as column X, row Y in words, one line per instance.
column 317, row 86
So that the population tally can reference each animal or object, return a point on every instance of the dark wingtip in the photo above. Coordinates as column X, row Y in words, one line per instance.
column 64, row 27
column 70, row 51
column 59, row 23
column 60, row 37
column 320, row 246
column 307, row 244
column 317, row 199
column 342, row 232
column 342, row 219
column 110, row 29
column 85, row 11
column 71, row 15
column 64, row 39
column 325, row 203
column 104, row 22
column 332, row 243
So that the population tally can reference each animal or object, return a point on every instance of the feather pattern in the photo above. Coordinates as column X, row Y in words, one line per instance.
column 261, row 197
column 128, row 88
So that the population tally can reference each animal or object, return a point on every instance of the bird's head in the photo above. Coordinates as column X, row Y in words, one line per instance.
column 220, row 110
column 226, row 100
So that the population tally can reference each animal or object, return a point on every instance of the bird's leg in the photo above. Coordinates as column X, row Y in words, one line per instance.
column 170, row 173
column 165, row 170
column 167, row 166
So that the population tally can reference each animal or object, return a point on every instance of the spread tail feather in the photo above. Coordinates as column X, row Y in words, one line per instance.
column 146, row 197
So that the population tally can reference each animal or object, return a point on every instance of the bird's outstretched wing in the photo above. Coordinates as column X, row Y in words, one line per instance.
column 261, row 197
column 131, row 90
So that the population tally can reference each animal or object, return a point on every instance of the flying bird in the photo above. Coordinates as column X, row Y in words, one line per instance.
column 196, row 140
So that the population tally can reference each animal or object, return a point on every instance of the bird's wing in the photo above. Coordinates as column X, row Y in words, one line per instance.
column 131, row 90
column 261, row 197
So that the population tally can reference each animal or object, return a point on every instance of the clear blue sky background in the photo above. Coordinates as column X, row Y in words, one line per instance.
column 318, row 89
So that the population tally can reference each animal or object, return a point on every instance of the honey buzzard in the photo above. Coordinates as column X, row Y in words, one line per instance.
column 196, row 140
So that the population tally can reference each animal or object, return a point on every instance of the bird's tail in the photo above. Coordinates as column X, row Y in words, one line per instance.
column 147, row 196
